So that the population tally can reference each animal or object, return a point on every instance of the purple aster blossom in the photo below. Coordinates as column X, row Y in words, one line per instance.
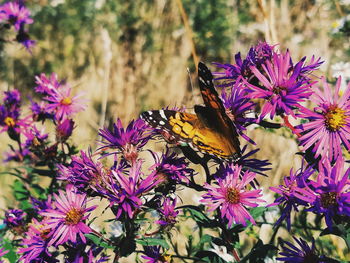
column 256, row 56
column 11, row 123
column 15, row 14
column 303, row 253
column 293, row 193
column 127, row 141
column 23, row 38
column 47, row 84
column 167, row 213
column 64, row 130
column 34, row 138
column 14, row 218
column 39, row 112
column 83, row 172
column 171, row 168
column 126, row 190
column 80, row 253
column 329, row 122
column 12, row 99
column 62, row 104
column 332, row 190
column 237, row 105
column 231, row 197
column 283, row 87
column 34, row 246
column 66, row 220
column 153, row 255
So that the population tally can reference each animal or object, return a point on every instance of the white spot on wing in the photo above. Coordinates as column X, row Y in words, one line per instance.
column 161, row 122
column 162, row 114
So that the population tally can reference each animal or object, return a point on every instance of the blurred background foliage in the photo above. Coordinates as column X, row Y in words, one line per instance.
column 130, row 56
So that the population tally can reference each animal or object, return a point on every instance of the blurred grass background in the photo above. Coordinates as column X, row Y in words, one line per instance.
column 130, row 56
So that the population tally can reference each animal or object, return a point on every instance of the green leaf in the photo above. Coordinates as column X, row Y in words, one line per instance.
column 153, row 242
column 98, row 241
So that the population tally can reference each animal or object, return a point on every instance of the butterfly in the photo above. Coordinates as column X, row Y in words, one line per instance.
column 209, row 130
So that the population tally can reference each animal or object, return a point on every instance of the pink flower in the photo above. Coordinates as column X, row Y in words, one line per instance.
column 63, row 104
column 329, row 123
column 231, row 197
column 67, row 220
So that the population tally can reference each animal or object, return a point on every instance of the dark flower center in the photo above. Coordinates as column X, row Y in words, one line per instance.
column 130, row 152
column 232, row 195
column 277, row 90
column 66, row 101
column 10, row 122
column 335, row 118
column 73, row 217
column 329, row 199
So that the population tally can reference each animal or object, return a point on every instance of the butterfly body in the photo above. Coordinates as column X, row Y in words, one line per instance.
column 209, row 131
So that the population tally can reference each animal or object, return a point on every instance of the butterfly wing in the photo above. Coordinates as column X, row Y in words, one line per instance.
column 184, row 129
column 214, row 114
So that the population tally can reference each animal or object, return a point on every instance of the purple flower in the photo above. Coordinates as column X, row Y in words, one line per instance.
column 231, row 197
column 283, row 86
column 35, row 244
column 67, row 219
column 64, row 130
column 171, row 168
column 11, row 123
column 293, row 193
column 153, row 255
column 329, row 123
column 34, row 138
column 83, row 172
column 15, row 14
column 332, row 190
column 62, row 104
column 15, row 218
column 12, row 99
column 47, row 85
column 125, row 190
column 80, row 252
column 127, row 141
column 293, row 254
column 23, row 38
column 256, row 56
column 39, row 111
column 168, row 213
column 260, row 53
column 237, row 105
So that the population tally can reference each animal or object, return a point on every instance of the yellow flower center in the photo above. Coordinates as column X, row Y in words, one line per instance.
column 329, row 199
column 10, row 122
column 66, row 101
column 232, row 195
column 73, row 217
column 335, row 118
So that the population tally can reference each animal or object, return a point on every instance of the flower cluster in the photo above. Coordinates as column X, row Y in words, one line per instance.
column 138, row 192
column 17, row 15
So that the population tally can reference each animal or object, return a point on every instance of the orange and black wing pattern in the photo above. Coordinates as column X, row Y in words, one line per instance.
column 209, row 131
